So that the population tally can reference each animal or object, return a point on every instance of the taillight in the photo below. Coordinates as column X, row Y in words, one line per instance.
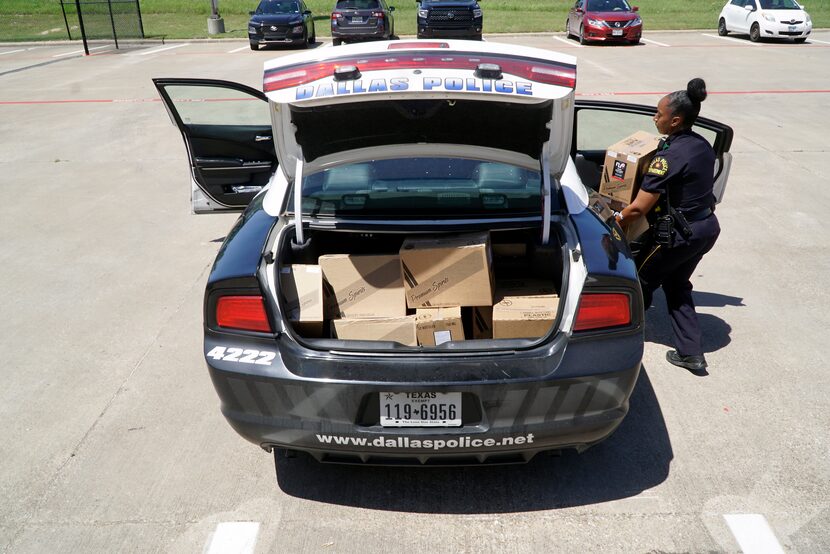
column 336, row 16
column 602, row 310
column 379, row 15
column 242, row 312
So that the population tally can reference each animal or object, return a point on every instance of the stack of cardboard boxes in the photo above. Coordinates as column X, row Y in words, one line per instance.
column 419, row 297
column 625, row 164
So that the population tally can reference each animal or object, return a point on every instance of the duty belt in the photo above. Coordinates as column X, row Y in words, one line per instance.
column 696, row 215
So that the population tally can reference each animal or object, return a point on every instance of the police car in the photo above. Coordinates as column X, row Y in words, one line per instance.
column 354, row 150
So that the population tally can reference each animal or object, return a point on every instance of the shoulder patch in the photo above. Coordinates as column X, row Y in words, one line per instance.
column 658, row 166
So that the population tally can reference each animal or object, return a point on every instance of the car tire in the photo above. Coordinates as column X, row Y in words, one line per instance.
column 582, row 35
column 254, row 45
column 313, row 38
column 755, row 33
column 799, row 40
column 722, row 30
column 634, row 42
column 336, row 41
column 568, row 33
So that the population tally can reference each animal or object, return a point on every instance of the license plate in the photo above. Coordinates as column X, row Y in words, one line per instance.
column 792, row 27
column 420, row 409
column 616, row 32
column 357, row 20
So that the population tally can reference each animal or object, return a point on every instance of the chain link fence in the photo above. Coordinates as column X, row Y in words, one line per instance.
column 103, row 19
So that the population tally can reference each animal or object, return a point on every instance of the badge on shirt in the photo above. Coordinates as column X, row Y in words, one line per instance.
column 658, row 166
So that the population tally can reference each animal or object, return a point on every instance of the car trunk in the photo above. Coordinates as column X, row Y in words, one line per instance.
column 516, row 259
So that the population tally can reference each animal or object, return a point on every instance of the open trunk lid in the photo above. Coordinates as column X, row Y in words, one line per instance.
column 508, row 98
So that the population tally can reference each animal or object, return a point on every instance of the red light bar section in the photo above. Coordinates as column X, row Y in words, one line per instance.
column 550, row 73
column 600, row 311
column 419, row 44
column 242, row 312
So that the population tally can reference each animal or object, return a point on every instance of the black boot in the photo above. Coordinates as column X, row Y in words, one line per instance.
column 695, row 364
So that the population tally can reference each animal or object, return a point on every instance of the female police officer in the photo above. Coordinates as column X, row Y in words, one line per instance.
column 678, row 183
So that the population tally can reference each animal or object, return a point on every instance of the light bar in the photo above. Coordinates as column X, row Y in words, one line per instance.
column 550, row 73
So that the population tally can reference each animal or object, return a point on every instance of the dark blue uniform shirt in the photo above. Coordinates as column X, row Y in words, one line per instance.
column 685, row 167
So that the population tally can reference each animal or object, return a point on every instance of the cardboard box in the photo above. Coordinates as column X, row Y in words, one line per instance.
column 606, row 207
column 524, row 309
column 395, row 329
column 363, row 286
column 302, row 289
column 625, row 164
column 447, row 270
column 436, row 326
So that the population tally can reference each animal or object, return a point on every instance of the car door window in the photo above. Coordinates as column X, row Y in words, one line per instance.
column 597, row 129
column 198, row 105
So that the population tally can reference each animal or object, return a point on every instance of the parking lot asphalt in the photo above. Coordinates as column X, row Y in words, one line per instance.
column 111, row 436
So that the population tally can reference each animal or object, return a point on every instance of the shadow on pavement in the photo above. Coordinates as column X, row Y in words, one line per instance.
column 635, row 458
column 715, row 330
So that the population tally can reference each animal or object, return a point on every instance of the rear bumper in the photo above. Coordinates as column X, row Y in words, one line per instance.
column 579, row 401
column 359, row 33
column 432, row 31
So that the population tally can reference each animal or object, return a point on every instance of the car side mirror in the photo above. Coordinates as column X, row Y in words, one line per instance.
column 749, row 8
column 307, row 12
column 391, row 8
column 580, row 10
column 251, row 13
column 635, row 8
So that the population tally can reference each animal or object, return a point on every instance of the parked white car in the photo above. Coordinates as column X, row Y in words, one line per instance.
column 765, row 19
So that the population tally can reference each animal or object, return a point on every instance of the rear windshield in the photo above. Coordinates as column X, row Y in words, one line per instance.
column 278, row 6
column 608, row 6
column 422, row 187
column 357, row 4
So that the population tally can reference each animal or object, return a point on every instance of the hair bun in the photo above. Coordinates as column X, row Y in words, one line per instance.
column 696, row 89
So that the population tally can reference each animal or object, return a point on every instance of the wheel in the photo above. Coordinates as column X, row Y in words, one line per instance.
column 799, row 40
column 254, row 45
column 634, row 42
column 336, row 41
column 306, row 41
column 313, row 38
column 568, row 33
column 722, row 30
column 755, row 33
column 477, row 37
column 582, row 35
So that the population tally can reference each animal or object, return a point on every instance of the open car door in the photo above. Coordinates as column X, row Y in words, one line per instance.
column 226, row 129
column 599, row 124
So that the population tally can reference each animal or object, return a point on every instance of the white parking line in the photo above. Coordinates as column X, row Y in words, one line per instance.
column 80, row 51
column 569, row 42
column 157, row 50
column 12, row 52
column 655, row 42
column 234, row 537
column 819, row 41
column 238, row 50
column 753, row 534
column 732, row 39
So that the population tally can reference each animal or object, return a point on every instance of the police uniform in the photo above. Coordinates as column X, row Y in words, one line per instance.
column 682, row 172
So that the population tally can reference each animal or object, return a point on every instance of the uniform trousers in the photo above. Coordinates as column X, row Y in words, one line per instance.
column 672, row 268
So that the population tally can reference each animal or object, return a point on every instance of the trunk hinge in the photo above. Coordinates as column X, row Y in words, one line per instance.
column 546, row 199
column 298, row 202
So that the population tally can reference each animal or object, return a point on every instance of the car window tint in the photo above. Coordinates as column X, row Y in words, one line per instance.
column 212, row 105
column 738, row 3
column 608, row 6
column 357, row 4
column 779, row 5
column 422, row 187
column 278, row 6
column 596, row 130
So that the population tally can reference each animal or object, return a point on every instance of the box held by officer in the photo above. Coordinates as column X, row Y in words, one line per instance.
column 302, row 289
column 447, row 270
column 524, row 309
column 393, row 329
column 605, row 208
column 363, row 286
column 435, row 326
column 625, row 164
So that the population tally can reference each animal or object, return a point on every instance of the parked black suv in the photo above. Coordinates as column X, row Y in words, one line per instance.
column 449, row 19
column 353, row 20
column 281, row 22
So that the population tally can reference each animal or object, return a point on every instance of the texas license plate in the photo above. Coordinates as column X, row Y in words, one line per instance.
column 357, row 20
column 616, row 32
column 420, row 409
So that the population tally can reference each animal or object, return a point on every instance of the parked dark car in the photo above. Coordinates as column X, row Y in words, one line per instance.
column 353, row 20
column 281, row 22
column 450, row 19
column 604, row 21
